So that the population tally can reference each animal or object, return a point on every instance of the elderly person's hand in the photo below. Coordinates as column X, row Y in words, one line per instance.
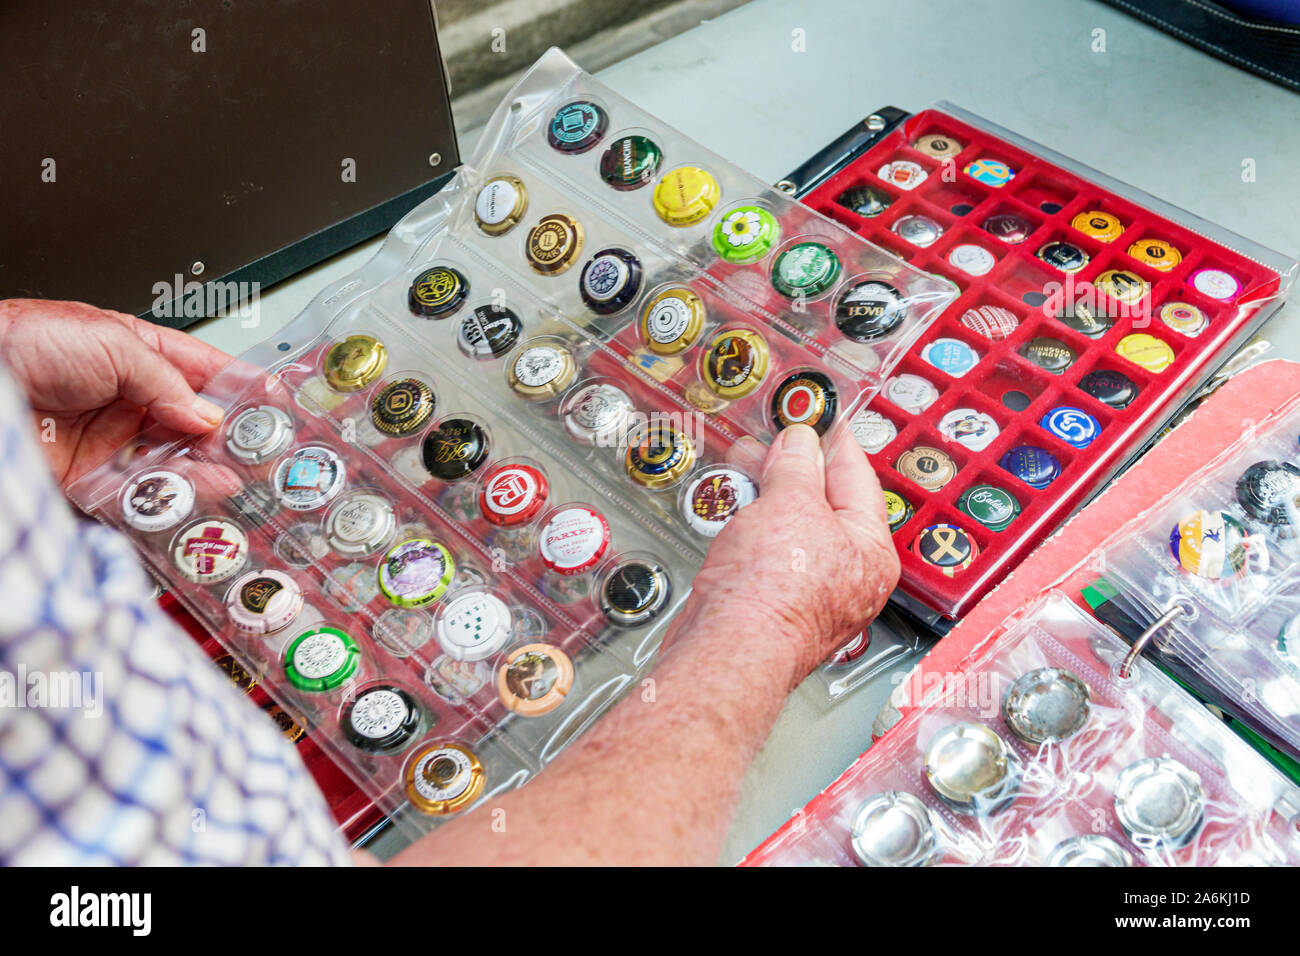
column 813, row 555
column 92, row 378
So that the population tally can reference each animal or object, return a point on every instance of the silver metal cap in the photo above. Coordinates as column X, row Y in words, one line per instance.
column 360, row 523
column 893, row 829
column 258, row 434
column 1090, row 849
column 1159, row 802
column 1046, row 705
column 972, row 769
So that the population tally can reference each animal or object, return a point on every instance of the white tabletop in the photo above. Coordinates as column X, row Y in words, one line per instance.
column 770, row 83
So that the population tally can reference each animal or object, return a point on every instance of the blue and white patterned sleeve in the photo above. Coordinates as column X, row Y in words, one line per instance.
column 120, row 742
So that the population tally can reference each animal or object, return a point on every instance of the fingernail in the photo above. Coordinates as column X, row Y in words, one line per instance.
column 208, row 411
column 802, row 441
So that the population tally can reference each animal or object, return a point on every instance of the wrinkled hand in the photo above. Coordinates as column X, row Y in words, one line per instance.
column 93, row 378
column 813, row 555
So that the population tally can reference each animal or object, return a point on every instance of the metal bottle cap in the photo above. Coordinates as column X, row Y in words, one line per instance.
column 258, row 434
column 746, row 234
column 1111, row 388
column 1156, row 253
column 489, row 332
column 1210, row 544
column 869, row 310
column 713, row 496
column 938, row 145
column 850, row 651
column 610, row 281
column 1090, row 849
column 1049, row 354
column 872, row 430
column 597, row 414
column 416, row 572
column 210, row 550
column 991, row 321
column 402, row 407
column 946, row 547
column 993, row 507
column 542, row 371
column 513, row 494
column 382, row 719
column 805, row 398
column 500, row 204
column 1072, row 425
column 931, row 468
column 1151, row 353
column 157, row 500
column 686, row 195
column 1122, row 285
column 919, row 230
column 805, row 270
column 898, row 510
column 671, row 321
column 1102, row 226
column 573, row 540
column 554, row 243
column 630, row 162
column 658, row 456
column 1159, row 802
column 990, row 172
column 577, row 127
column 950, row 355
column 535, row 679
column 893, row 829
column 355, row 362
column 1184, row 318
column 911, row 393
column 443, row 778
column 309, row 478
column 1065, row 256
column 1215, row 283
column 360, row 523
column 1008, row 227
column 1046, row 705
column 903, row 173
column 736, row 363
column 970, row 428
column 455, row 448
column 972, row 769
column 1085, row 318
column 261, row 602
column 474, row 624
column 321, row 659
column 972, row 259
column 634, row 590
column 867, row 201
column 1269, row 491
column 438, row 292
column 1036, row 467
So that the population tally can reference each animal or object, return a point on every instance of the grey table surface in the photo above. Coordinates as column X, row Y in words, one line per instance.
column 771, row 82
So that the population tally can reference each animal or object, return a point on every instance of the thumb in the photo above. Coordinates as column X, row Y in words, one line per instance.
column 795, row 464
column 147, row 379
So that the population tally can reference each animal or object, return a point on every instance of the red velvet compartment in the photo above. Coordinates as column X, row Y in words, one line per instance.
column 1049, row 197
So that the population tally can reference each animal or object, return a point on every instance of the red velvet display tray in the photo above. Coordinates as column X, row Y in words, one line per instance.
column 1049, row 197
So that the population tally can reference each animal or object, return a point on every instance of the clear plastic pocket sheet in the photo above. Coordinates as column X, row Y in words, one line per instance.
column 455, row 503
column 1043, row 754
column 1216, row 565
